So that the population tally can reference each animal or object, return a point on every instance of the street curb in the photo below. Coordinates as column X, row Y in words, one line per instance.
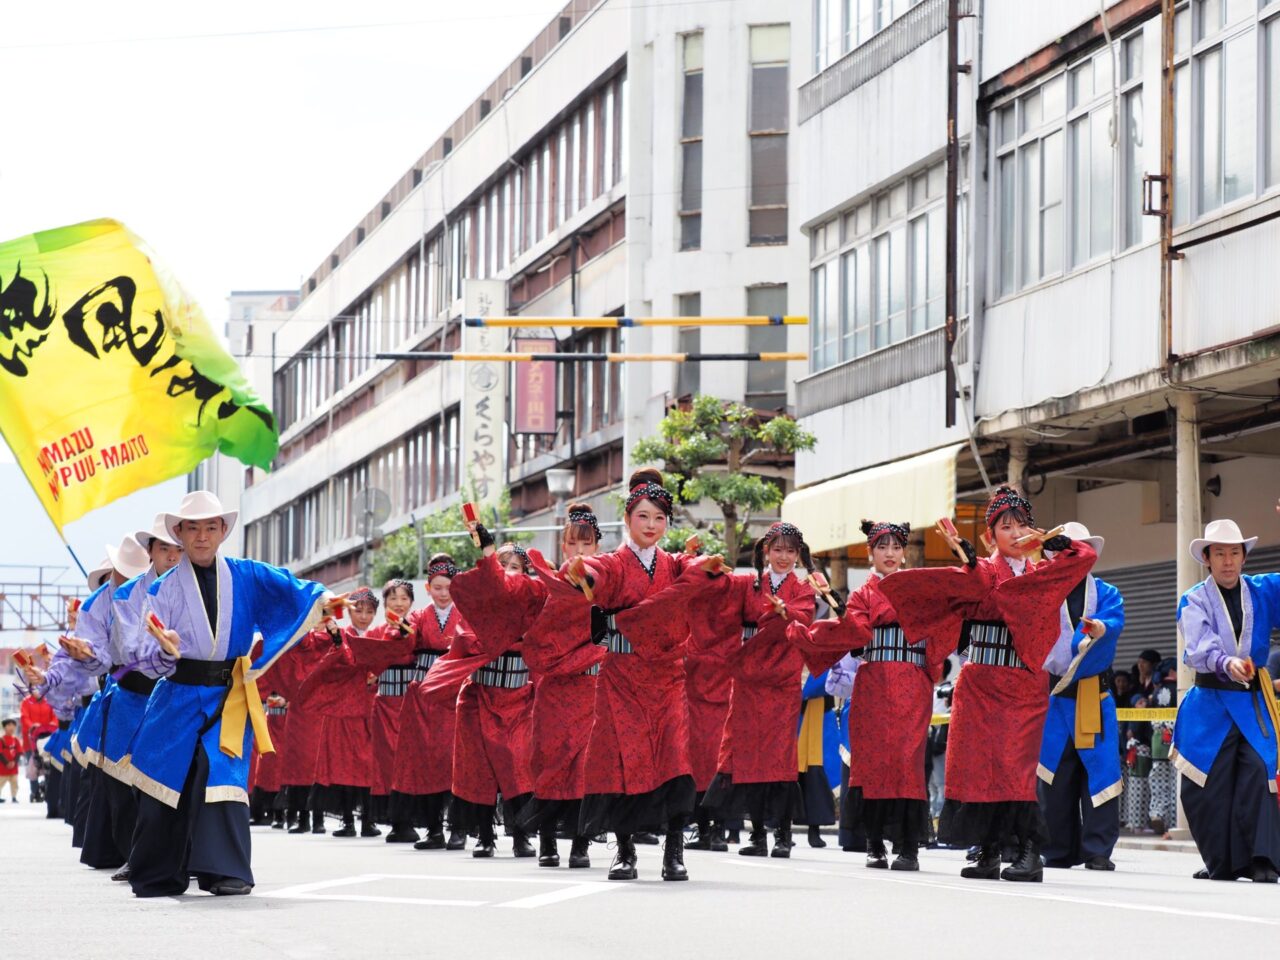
column 1155, row 843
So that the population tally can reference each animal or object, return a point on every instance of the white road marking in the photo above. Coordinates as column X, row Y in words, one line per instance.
column 993, row 888
column 568, row 890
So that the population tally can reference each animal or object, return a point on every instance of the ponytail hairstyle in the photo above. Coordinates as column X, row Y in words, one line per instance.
column 786, row 533
column 391, row 586
column 441, row 565
column 581, row 524
column 509, row 550
column 646, row 484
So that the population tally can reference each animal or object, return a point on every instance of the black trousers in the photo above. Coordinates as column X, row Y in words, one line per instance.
column 70, row 790
column 80, row 814
column 1233, row 818
column 100, row 849
column 52, row 792
column 1078, row 831
column 208, row 840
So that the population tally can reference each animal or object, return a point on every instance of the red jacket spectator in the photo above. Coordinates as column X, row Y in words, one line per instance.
column 10, row 750
column 38, row 719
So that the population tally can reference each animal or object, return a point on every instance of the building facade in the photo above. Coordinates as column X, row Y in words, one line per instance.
column 1072, row 377
column 634, row 160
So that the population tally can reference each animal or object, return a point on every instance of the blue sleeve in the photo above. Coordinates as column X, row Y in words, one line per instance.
column 815, row 686
column 284, row 609
column 1110, row 612
column 1266, row 612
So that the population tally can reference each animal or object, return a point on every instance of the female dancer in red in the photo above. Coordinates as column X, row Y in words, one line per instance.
column 422, row 778
column 758, row 762
column 341, row 690
column 638, row 774
column 495, row 701
column 1004, row 611
column 302, row 730
column 565, row 661
column 392, row 683
column 889, row 711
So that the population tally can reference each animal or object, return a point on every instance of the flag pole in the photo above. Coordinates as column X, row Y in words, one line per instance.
column 83, row 571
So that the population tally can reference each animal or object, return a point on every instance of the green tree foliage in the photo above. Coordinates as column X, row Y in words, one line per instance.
column 397, row 556
column 705, row 451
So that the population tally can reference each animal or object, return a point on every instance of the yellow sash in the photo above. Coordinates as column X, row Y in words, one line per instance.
column 1088, row 712
column 809, row 747
column 1269, row 698
column 243, row 703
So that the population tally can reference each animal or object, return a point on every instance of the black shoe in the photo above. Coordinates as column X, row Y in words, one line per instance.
column 701, row 839
column 548, row 852
column 348, row 829
column 1158, row 825
column 484, row 848
column 782, row 843
column 277, row 824
column 402, row 833
column 624, row 861
column 1201, row 874
column 877, row 856
column 317, row 822
column 904, row 861
column 260, row 821
column 521, row 847
column 367, row 829
column 645, row 838
column 457, row 840
column 579, row 857
column 1099, row 863
column 1262, row 871
column 719, row 842
column 815, row 838
column 974, row 853
column 986, row 867
column 230, row 887
column 758, row 846
column 122, row 875
column 673, row 867
column 433, row 841
column 300, row 827
column 1027, row 868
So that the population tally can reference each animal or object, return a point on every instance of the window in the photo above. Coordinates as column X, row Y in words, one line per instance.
column 1226, row 105
column 770, row 118
column 689, row 340
column 691, row 146
column 879, row 269
column 607, row 137
column 766, row 380
column 1273, row 102
column 841, row 25
column 1131, row 140
column 1092, row 158
column 589, row 152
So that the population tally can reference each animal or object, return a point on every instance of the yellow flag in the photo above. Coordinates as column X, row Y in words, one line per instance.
column 111, row 380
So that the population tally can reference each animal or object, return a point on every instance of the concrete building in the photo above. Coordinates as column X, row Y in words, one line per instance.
column 1073, row 380
column 634, row 160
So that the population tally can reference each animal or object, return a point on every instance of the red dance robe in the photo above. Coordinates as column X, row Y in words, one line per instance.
column 759, row 743
column 559, row 652
column 423, row 746
column 640, row 737
column 997, row 715
column 891, row 704
column 493, row 737
column 385, row 717
column 301, row 740
column 713, row 640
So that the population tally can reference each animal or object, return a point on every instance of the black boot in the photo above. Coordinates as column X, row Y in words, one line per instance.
column 877, row 858
column 719, row 841
column 624, row 861
column 368, row 828
column 758, row 845
column 1028, row 867
column 815, row 837
column 548, row 852
column 521, row 847
column 457, row 840
column 278, row 822
column 701, row 837
column 782, row 841
column 645, row 838
column 123, row 874
column 297, row 820
column 317, row 821
column 673, row 856
column 579, row 857
column 402, row 832
column 434, row 840
column 348, row 828
column 987, row 864
column 485, row 845
column 907, row 858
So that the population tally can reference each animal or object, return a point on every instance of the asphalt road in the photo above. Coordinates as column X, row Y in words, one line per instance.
column 320, row 896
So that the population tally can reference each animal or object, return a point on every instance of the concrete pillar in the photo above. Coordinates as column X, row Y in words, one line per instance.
column 1189, row 500
column 1017, row 463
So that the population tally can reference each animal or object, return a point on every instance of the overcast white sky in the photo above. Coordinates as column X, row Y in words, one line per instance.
column 242, row 140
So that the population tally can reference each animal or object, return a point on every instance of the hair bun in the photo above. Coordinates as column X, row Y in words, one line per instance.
column 440, row 558
column 645, row 475
column 867, row 527
column 905, row 526
column 579, row 508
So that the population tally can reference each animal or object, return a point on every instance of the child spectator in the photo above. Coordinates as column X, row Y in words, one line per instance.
column 10, row 751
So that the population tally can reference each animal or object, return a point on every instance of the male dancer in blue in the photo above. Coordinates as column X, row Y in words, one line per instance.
column 190, row 757
column 1224, row 741
column 1079, row 770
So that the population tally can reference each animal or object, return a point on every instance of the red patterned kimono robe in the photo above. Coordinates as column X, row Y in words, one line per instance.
column 560, row 654
column 423, row 764
column 998, row 712
column 302, row 727
column 638, row 773
column 491, row 744
column 713, row 640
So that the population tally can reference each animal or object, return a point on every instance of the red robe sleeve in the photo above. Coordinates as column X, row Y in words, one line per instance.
column 380, row 648
column 466, row 655
column 931, row 602
column 499, row 608
column 1030, row 604
column 559, row 642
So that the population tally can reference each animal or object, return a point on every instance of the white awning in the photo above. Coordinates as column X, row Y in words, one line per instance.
column 917, row 490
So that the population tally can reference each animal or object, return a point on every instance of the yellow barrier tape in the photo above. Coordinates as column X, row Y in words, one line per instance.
column 1153, row 715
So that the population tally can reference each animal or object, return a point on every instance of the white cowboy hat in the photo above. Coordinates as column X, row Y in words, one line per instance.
column 1078, row 531
column 100, row 573
column 129, row 559
column 158, row 531
column 200, row 505
column 1220, row 531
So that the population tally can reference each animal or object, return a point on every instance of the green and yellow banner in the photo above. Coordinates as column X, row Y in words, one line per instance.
column 111, row 379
